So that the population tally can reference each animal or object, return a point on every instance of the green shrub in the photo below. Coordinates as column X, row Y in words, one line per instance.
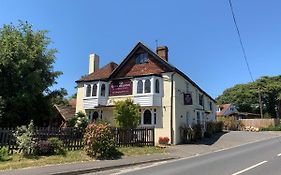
column 272, row 128
column 218, row 126
column 4, row 154
column 24, row 138
column 210, row 129
column 49, row 147
column 187, row 134
column 126, row 114
column 198, row 131
column 43, row 148
column 230, row 123
column 99, row 141
column 57, row 145
column 79, row 121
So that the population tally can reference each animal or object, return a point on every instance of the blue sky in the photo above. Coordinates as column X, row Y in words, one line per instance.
column 200, row 35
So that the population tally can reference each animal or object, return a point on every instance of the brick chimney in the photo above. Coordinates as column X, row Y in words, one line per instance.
column 94, row 63
column 162, row 51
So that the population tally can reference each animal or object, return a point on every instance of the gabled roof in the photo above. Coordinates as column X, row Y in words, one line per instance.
column 223, row 108
column 149, row 51
column 108, row 72
column 100, row 74
column 67, row 111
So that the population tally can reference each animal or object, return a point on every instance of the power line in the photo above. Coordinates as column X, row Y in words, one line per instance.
column 240, row 40
column 245, row 56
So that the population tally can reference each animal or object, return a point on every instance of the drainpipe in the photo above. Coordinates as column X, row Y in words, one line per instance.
column 172, row 99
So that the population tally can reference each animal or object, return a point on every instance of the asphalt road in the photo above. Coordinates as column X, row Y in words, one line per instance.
column 261, row 158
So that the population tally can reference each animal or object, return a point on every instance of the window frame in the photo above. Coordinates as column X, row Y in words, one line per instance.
column 157, row 86
column 94, row 90
column 139, row 87
column 141, row 58
column 144, row 121
column 88, row 90
column 102, row 91
column 147, row 82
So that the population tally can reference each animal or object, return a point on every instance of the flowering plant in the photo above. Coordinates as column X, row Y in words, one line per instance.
column 163, row 140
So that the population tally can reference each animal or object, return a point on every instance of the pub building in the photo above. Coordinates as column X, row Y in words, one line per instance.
column 168, row 98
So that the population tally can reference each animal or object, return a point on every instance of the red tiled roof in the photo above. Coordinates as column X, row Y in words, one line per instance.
column 102, row 73
column 223, row 108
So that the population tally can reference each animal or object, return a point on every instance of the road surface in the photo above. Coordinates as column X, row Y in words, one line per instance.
column 260, row 158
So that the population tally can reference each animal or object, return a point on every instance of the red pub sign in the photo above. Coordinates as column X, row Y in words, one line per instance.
column 121, row 87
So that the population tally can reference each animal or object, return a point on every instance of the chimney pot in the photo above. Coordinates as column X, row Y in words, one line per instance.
column 94, row 61
column 162, row 51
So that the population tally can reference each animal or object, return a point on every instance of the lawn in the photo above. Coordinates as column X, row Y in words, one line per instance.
column 18, row 161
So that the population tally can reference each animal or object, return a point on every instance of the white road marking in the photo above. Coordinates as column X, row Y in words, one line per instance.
column 279, row 154
column 251, row 167
column 138, row 168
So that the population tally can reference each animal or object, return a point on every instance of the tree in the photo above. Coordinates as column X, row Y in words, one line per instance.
column 126, row 114
column 245, row 96
column 26, row 75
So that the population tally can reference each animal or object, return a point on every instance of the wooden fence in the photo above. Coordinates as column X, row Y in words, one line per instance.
column 134, row 137
column 260, row 123
column 72, row 138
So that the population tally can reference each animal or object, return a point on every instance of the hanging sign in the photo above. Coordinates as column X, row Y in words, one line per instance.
column 187, row 99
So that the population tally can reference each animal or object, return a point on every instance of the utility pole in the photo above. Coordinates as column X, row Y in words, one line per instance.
column 260, row 101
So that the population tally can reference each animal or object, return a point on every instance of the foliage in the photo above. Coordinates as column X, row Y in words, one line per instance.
column 4, row 154
column 218, row 126
column 187, row 134
column 230, row 123
column 24, row 138
column 126, row 114
column 99, row 141
column 245, row 96
column 210, row 129
column 163, row 140
column 272, row 128
column 26, row 73
column 198, row 131
column 51, row 146
column 43, row 148
column 79, row 121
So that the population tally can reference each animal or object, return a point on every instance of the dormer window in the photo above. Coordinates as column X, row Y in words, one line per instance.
column 141, row 58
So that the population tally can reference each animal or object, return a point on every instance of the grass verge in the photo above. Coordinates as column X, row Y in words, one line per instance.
column 18, row 161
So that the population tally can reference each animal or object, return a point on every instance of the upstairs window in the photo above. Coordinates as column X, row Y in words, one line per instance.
column 140, row 87
column 141, row 58
column 88, row 91
column 201, row 100
column 94, row 92
column 147, row 86
column 102, row 92
column 157, row 88
column 211, row 106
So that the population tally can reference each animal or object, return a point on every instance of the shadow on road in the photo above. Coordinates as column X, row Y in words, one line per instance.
column 209, row 141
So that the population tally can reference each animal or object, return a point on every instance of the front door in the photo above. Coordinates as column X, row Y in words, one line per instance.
column 95, row 116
